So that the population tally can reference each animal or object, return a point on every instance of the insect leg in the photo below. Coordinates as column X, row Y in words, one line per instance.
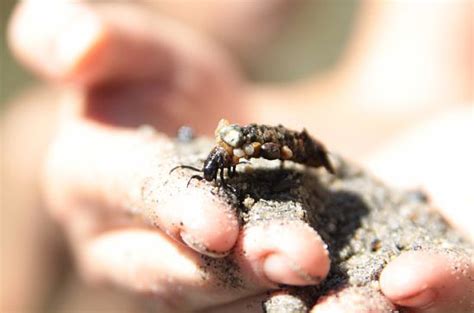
column 229, row 187
column 194, row 177
column 222, row 180
column 222, row 177
column 231, row 171
column 224, row 184
column 186, row 167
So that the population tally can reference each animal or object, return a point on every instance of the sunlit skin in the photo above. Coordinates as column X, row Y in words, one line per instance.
column 164, row 74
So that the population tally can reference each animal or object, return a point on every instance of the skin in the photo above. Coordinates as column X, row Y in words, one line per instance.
column 99, row 159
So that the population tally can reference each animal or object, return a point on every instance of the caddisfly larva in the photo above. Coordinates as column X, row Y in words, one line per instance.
column 234, row 142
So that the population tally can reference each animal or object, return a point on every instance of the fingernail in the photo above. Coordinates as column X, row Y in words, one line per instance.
column 77, row 38
column 281, row 270
column 200, row 247
column 422, row 300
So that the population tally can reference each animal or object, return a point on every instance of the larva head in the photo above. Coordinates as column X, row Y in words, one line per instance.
column 216, row 160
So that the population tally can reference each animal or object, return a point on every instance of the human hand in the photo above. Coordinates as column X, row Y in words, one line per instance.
column 124, row 67
column 111, row 82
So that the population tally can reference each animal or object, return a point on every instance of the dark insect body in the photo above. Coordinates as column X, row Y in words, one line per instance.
column 234, row 142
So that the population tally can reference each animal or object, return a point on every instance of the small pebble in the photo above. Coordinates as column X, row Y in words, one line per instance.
column 249, row 149
column 239, row 153
column 185, row 134
column 232, row 135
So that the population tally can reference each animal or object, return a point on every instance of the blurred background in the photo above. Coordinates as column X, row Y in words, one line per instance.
column 422, row 52
column 13, row 77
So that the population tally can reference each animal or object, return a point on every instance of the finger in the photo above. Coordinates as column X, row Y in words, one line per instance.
column 55, row 38
column 149, row 263
column 94, row 43
column 283, row 253
column 430, row 282
column 119, row 171
column 354, row 299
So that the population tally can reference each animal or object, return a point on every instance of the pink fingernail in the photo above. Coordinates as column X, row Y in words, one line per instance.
column 422, row 300
column 280, row 270
column 191, row 242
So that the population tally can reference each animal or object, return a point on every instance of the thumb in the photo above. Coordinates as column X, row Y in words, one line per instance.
column 92, row 44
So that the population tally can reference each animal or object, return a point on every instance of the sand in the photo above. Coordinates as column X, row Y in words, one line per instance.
column 364, row 222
